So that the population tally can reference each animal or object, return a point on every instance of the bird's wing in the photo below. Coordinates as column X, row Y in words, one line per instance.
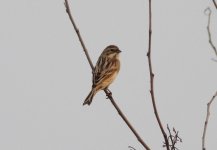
column 100, row 77
column 103, row 70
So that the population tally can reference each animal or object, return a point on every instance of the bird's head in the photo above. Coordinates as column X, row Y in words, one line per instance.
column 111, row 51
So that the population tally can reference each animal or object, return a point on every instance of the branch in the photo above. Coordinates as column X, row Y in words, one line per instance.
column 206, row 121
column 107, row 92
column 78, row 33
column 131, row 148
column 215, row 4
column 173, row 138
column 152, row 79
column 208, row 12
column 126, row 121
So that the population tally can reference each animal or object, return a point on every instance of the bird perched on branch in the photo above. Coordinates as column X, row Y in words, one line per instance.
column 105, row 71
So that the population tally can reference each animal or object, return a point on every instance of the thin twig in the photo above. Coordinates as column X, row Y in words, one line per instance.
column 173, row 138
column 106, row 91
column 131, row 148
column 126, row 121
column 206, row 121
column 215, row 4
column 78, row 33
column 152, row 79
column 208, row 12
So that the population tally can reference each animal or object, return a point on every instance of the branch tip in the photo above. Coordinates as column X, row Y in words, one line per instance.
column 207, row 120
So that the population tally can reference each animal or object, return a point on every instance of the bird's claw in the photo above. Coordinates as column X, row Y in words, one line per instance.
column 108, row 94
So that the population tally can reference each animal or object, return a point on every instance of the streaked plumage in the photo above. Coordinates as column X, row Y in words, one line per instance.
column 105, row 71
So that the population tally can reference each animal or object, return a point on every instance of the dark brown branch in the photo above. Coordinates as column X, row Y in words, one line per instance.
column 215, row 4
column 107, row 92
column 78, row 33
column 173, row 138
column 126, row 120
column 152, row 79
column 206, row 121
column 208, row 12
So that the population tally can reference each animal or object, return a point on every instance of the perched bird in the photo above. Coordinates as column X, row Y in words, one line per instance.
column 105, row 71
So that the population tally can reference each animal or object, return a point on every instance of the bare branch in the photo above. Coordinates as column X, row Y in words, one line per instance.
column 107, row 92
column 126, row 121
column 78, row 33
column 208, row 12
column 206, row 121
column 152, row 79
column 215, row 4
column 131, row 148
column 173, row 138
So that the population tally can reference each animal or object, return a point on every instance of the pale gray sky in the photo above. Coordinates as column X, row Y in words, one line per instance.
column 45, row 77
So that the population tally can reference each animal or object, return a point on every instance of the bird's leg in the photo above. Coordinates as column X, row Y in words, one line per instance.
column 109, row 93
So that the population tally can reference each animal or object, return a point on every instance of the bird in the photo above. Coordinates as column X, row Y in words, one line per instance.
column 105, row 71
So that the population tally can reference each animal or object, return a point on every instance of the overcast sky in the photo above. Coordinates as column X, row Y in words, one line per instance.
column 45, row 77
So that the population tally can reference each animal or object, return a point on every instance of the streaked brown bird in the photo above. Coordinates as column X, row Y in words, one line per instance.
column 105, row 71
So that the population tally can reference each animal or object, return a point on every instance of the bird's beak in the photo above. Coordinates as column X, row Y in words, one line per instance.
column 119, row 51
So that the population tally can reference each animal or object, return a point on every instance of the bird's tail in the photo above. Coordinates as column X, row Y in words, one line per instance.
column 89, row 98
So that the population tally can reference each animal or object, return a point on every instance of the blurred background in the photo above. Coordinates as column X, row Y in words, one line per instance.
column 45, row 77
